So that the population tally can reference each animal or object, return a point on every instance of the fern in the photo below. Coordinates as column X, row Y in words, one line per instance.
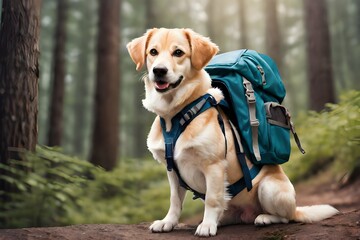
column 56, row 189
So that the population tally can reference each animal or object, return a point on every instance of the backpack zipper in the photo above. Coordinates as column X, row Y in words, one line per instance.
column 262, row 72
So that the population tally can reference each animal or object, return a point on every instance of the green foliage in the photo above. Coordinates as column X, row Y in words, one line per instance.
column 136, row 191
column 56, row 189
column 45, row 182
column 332, row 136
column 122, row 195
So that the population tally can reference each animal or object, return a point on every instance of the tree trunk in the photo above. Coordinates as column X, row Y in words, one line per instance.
column 106, row 126
column 213, row 23
column 19, row 77
column 321, row 89
column 243, row 24
column 357, row 14
column 356, row 83
column 58, row 86
column 272, row 33
column 82, row 80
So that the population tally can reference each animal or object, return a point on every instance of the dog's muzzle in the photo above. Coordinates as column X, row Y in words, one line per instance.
column 163, row 86
column 161, row 83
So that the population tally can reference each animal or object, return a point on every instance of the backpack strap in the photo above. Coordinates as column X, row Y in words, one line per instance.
column 248, row 174
column 296, row 137
column 254, row 122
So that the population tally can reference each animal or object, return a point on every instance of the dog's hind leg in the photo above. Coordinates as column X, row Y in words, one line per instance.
column 277, row 199
column 177, row 195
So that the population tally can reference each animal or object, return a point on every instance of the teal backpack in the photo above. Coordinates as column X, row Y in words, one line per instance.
column 253, row 92
column 261, row 127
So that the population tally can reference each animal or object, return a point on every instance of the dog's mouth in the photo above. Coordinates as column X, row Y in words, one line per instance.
column 163, row 86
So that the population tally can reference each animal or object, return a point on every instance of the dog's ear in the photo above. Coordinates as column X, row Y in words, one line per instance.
column 202, row 49
column 137, row 49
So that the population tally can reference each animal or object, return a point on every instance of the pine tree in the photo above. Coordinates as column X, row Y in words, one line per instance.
column 19, row 77
column 320, row 76
column 105, row 139
column 55, row 126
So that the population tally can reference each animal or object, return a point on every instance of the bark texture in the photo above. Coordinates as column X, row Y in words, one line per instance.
column 105, row 139
column 58, row 87
column 272, row 33
column 19, row 76
column 320, row 76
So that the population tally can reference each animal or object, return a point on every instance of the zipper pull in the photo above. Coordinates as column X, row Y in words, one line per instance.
column 262, row 72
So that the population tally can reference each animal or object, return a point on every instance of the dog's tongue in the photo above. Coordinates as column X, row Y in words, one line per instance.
column 161, row 85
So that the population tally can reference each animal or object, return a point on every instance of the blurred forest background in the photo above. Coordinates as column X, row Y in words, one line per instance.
column 238, row 24
column 89, row 98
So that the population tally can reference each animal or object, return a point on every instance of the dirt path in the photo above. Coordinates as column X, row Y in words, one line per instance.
column 343, row 226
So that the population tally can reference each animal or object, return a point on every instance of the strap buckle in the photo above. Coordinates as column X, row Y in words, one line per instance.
column 250, row 96
column 254, row 122
column 188, row 115
column 249, row 93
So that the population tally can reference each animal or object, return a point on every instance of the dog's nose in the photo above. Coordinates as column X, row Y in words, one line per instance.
column 160, row 71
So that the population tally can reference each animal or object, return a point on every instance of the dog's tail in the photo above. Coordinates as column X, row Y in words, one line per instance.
column 314, row 213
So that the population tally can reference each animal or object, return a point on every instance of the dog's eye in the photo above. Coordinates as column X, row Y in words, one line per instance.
column 178, row 53
column 153, row 52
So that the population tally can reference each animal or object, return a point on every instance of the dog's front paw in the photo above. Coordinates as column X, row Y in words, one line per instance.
column 162, row 226
column 206, row 230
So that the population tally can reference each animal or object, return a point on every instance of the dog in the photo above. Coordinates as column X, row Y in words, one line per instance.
column 175, row 59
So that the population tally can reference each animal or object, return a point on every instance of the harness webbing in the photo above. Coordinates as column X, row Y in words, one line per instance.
column 178, row 124
column 180, row 121
column 249, row 174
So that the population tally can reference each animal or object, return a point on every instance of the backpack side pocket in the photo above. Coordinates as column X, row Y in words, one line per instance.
column 278, row 131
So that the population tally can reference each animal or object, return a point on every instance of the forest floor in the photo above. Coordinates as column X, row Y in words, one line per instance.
column 345, row 225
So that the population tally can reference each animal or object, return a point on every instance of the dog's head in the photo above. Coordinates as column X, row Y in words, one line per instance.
column 171, row 56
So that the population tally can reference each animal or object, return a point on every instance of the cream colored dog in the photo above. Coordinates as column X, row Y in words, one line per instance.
column 175, row 59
